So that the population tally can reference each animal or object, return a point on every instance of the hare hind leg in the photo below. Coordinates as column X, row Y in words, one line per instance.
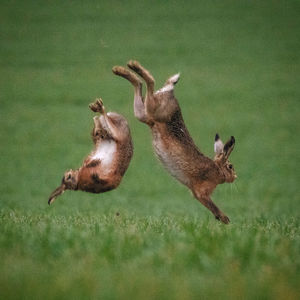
column 150, row 101
column 130, row 76
column 145, row 74
column 138, row 104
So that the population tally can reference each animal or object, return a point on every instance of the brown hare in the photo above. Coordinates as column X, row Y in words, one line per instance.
column 105, row 166
column 172, row 142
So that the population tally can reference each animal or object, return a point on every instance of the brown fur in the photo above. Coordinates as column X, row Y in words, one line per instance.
column 94, row 175
column 172, row 142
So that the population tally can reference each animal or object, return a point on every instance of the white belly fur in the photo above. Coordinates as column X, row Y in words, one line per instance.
column 169, row 161
column 105, row 152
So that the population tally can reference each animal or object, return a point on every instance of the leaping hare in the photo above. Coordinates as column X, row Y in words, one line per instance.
column 172, row 142
column 105, row 166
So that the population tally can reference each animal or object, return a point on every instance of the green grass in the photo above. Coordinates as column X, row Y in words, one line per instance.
column 239, row 64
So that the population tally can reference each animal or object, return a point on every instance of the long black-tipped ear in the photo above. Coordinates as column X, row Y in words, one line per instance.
column 57, row 192
column 229, row 146
column 218, row 146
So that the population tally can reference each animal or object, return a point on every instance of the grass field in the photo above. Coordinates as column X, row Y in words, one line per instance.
column 239, row 64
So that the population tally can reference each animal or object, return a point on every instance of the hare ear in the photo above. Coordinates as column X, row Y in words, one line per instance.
column 218, row 146
column 229, row 146
column 57, row 192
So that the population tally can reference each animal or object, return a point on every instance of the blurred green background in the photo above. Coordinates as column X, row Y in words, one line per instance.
column 239, row 64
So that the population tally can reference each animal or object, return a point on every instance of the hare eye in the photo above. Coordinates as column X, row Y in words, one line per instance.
column 97, row 132
column 230, row 166
column 69, row 177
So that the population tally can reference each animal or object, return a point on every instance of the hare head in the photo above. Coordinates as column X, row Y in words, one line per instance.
column 221, row 158
column 68, row 182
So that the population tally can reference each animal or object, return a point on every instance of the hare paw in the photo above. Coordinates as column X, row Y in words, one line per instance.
column 134, row 65
column 224, row 219
column 97, row 106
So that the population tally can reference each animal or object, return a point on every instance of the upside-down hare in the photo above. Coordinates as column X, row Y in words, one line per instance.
column 172, row 142
column 105, row 166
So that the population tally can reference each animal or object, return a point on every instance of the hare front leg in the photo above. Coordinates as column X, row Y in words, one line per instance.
column 104, row 124
column 204, row 198
column 98, row 131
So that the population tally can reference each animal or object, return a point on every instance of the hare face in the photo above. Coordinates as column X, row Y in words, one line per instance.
column 229, row 172
column 221, row 158
column 70, row 179
column 68, row 182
